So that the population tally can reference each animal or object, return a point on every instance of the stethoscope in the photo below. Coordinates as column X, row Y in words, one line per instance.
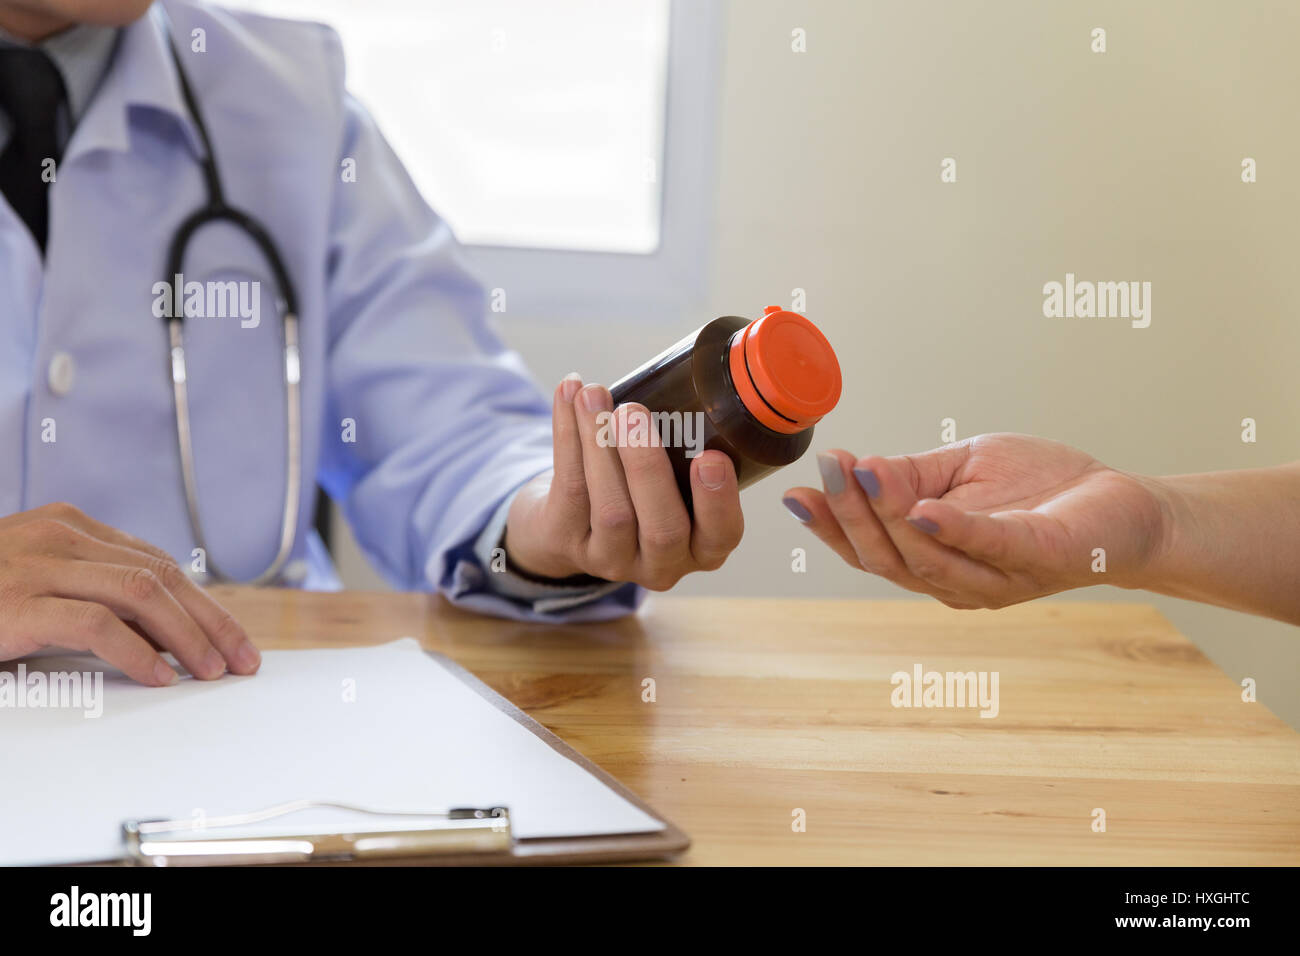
column 217, row 210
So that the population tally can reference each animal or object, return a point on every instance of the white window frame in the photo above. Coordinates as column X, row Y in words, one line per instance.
column 552, row 283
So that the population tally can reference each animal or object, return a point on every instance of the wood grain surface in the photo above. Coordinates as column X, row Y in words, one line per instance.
column 765, row 707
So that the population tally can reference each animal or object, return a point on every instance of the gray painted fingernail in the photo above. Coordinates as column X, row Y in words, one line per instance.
column 923, row 524
column 868, row 480
column 793, row 506
column 832, row 473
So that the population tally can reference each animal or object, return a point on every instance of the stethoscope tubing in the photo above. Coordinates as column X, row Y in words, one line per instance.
column 217, row 210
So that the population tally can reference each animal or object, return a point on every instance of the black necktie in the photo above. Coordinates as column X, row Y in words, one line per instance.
column 30, row 93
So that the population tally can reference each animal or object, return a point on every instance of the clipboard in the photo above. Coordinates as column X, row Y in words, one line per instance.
column 447, row 837
column 613, row 848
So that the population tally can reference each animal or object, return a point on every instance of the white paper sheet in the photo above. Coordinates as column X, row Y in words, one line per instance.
column 415, row 738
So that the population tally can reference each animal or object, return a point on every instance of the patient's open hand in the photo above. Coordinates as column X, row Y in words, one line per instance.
column 990, row 521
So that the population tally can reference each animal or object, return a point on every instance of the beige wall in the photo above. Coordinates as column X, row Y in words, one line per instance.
column 1115, row 166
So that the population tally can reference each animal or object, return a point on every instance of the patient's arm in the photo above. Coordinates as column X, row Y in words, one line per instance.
column 999, row 519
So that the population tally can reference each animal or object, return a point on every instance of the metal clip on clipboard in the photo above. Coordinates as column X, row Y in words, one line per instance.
column 382, row 835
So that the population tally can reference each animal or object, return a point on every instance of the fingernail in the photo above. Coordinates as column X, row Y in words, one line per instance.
column 832, row 473
column 795, row 508
column 712, row 474
column 163, row 674
column 214, row 664
column 570, row 385
column 868, row 480
column 247, row 657
column 923, row 524
column 596, row 399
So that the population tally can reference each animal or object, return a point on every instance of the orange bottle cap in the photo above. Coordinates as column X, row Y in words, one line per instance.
column 785, row 371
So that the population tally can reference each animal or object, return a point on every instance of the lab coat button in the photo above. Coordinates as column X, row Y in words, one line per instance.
column 62, row 374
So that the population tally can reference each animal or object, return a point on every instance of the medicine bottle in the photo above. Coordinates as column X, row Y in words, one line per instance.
column 753, row 390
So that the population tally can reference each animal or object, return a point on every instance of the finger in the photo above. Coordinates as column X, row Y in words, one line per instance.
column 144, row 634
column 85, row 626
column 931, row 561
column 932, row 474
column 219, row 628
column 569, row 485
column 663, row 528
column 822, row 522
column 848, row 502
column 811, row 509
column 719, row 523
column 78, row 519
column 136, row 595
column 1004, row 541
column 612, row 544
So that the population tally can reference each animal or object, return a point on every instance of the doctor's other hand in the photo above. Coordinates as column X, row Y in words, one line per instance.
column 67, row 580
column 987, row 522
column 613, row 510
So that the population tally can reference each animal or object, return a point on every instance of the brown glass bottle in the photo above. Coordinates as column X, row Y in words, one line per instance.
column 753, row 390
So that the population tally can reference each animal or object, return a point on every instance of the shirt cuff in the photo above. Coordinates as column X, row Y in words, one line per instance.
column 542, row 597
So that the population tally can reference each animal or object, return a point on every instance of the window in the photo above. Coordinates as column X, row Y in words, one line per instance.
column 568, row 143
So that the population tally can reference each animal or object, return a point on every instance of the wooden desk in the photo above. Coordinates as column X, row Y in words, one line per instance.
column 764, row 706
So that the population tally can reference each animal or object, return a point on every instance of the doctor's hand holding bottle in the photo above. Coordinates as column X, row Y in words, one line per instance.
column 613, row 510
column 999, row 519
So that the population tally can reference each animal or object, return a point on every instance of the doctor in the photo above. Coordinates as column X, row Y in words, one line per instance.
column 160, row 411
